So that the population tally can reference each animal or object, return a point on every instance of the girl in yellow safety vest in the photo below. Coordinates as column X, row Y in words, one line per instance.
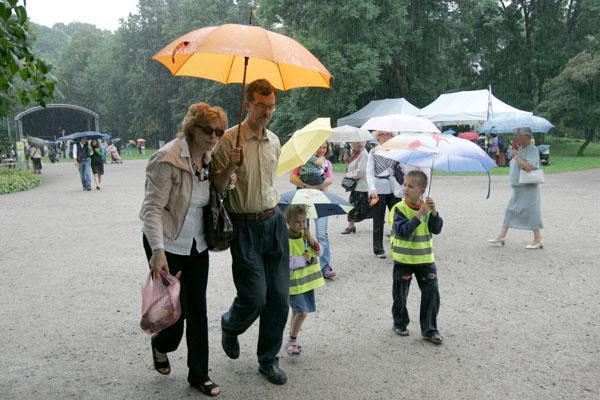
column 305, row 272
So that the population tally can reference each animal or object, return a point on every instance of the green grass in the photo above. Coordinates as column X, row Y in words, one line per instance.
column 16, row 180
column 135, row 155
column 562, row 158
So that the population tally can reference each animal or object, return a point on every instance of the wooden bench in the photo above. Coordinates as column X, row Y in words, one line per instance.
column 9, row 163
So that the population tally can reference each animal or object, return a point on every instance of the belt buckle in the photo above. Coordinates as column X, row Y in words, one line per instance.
column 260, row 215
column 263, row 214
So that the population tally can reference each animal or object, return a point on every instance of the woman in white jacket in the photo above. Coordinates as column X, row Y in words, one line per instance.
column 359, row 196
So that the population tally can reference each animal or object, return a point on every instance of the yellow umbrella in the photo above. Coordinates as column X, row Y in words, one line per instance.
column 303, row 144
column 234, row 53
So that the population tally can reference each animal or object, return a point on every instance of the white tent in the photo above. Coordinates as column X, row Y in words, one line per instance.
column 378, row 108
column 468, row 108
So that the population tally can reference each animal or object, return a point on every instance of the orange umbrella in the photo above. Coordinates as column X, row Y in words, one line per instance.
column 234, row 53
column 221, row 53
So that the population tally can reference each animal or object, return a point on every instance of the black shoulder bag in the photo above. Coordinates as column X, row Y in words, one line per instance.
column 349, row 184
column 218, row 229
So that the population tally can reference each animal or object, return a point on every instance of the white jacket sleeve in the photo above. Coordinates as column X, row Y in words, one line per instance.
column 371, row 173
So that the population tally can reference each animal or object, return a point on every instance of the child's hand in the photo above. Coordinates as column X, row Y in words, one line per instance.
column 430, row 204
column 374, row 199
column 314, row 245
column 422, row 209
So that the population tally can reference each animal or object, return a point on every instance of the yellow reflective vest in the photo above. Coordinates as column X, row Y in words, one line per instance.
column 304, row 275
column 416, row 249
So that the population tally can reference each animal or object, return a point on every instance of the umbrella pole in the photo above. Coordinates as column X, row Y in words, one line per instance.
column 237, row 140
column 431, row 176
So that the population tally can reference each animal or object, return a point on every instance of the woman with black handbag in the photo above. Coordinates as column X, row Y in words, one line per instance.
column 177, row 191
column 359, row 194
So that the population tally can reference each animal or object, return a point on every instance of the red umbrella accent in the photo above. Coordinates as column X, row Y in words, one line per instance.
column 468, row 135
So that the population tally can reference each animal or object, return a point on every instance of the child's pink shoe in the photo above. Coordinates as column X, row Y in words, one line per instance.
column 293, row 348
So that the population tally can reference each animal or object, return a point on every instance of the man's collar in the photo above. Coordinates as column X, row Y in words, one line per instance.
column 249, row 132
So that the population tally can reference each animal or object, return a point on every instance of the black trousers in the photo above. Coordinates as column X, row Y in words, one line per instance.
column 260, row 255
column 385, row 201
column 194, row 279
column 426, row 275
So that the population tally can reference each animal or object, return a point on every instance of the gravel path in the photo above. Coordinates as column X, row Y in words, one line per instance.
column 518, row 324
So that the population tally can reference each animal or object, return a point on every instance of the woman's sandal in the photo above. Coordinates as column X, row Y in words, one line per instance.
column 207, row 387
column 162, row 367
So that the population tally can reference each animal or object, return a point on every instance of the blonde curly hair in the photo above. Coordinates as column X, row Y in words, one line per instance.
column 202, row 114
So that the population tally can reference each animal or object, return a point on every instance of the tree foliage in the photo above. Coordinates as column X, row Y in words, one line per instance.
column 573, row 97
column 417, row 49
column 24, row 78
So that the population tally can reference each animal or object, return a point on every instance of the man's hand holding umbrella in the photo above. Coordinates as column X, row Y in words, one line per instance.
column 235, row 160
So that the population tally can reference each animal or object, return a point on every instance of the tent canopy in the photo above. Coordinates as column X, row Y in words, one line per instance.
column 466, row 108
column 378, row 108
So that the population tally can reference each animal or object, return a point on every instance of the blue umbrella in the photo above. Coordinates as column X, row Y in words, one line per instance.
column 87, row 134
column 448, row 132
column 320, row 204
column 509, row 122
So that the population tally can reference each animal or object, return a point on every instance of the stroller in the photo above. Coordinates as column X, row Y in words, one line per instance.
column 114, row 155
column 544, row 150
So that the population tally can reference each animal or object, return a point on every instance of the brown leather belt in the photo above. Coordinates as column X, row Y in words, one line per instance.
column 259, row 216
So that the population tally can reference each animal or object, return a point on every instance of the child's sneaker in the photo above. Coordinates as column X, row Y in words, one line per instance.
column 293, row 348
column 328, row 272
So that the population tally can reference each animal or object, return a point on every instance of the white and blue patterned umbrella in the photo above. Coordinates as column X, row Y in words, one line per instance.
column 509, row 122
column 441, row 152
column 320, row 204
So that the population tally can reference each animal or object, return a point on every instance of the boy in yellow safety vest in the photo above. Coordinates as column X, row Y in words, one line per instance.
column 413, row 222
column 305, row 272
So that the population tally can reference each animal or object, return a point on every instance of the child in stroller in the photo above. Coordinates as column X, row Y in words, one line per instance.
column 313, row 172
column 114, row 154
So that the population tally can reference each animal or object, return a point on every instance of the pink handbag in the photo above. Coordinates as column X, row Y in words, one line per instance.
column 160, row 303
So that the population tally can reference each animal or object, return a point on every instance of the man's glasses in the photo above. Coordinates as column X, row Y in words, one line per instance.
column 265, row 107
column 209, row 130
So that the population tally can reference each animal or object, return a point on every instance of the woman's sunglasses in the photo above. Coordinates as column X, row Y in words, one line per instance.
column 209, row 130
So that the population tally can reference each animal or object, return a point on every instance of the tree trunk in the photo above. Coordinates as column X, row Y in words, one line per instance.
column 589, row 136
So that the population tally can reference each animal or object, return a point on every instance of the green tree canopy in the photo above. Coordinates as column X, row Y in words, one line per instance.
column 417, row 49
column 573, row 97
column 24, row 78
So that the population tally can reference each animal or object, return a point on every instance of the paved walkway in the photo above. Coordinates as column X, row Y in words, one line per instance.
column 518, row 324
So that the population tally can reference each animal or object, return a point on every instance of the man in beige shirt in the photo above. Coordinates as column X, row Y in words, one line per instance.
column 260, row 249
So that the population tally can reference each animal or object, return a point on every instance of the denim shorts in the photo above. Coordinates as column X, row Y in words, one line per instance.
column 303, row 302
